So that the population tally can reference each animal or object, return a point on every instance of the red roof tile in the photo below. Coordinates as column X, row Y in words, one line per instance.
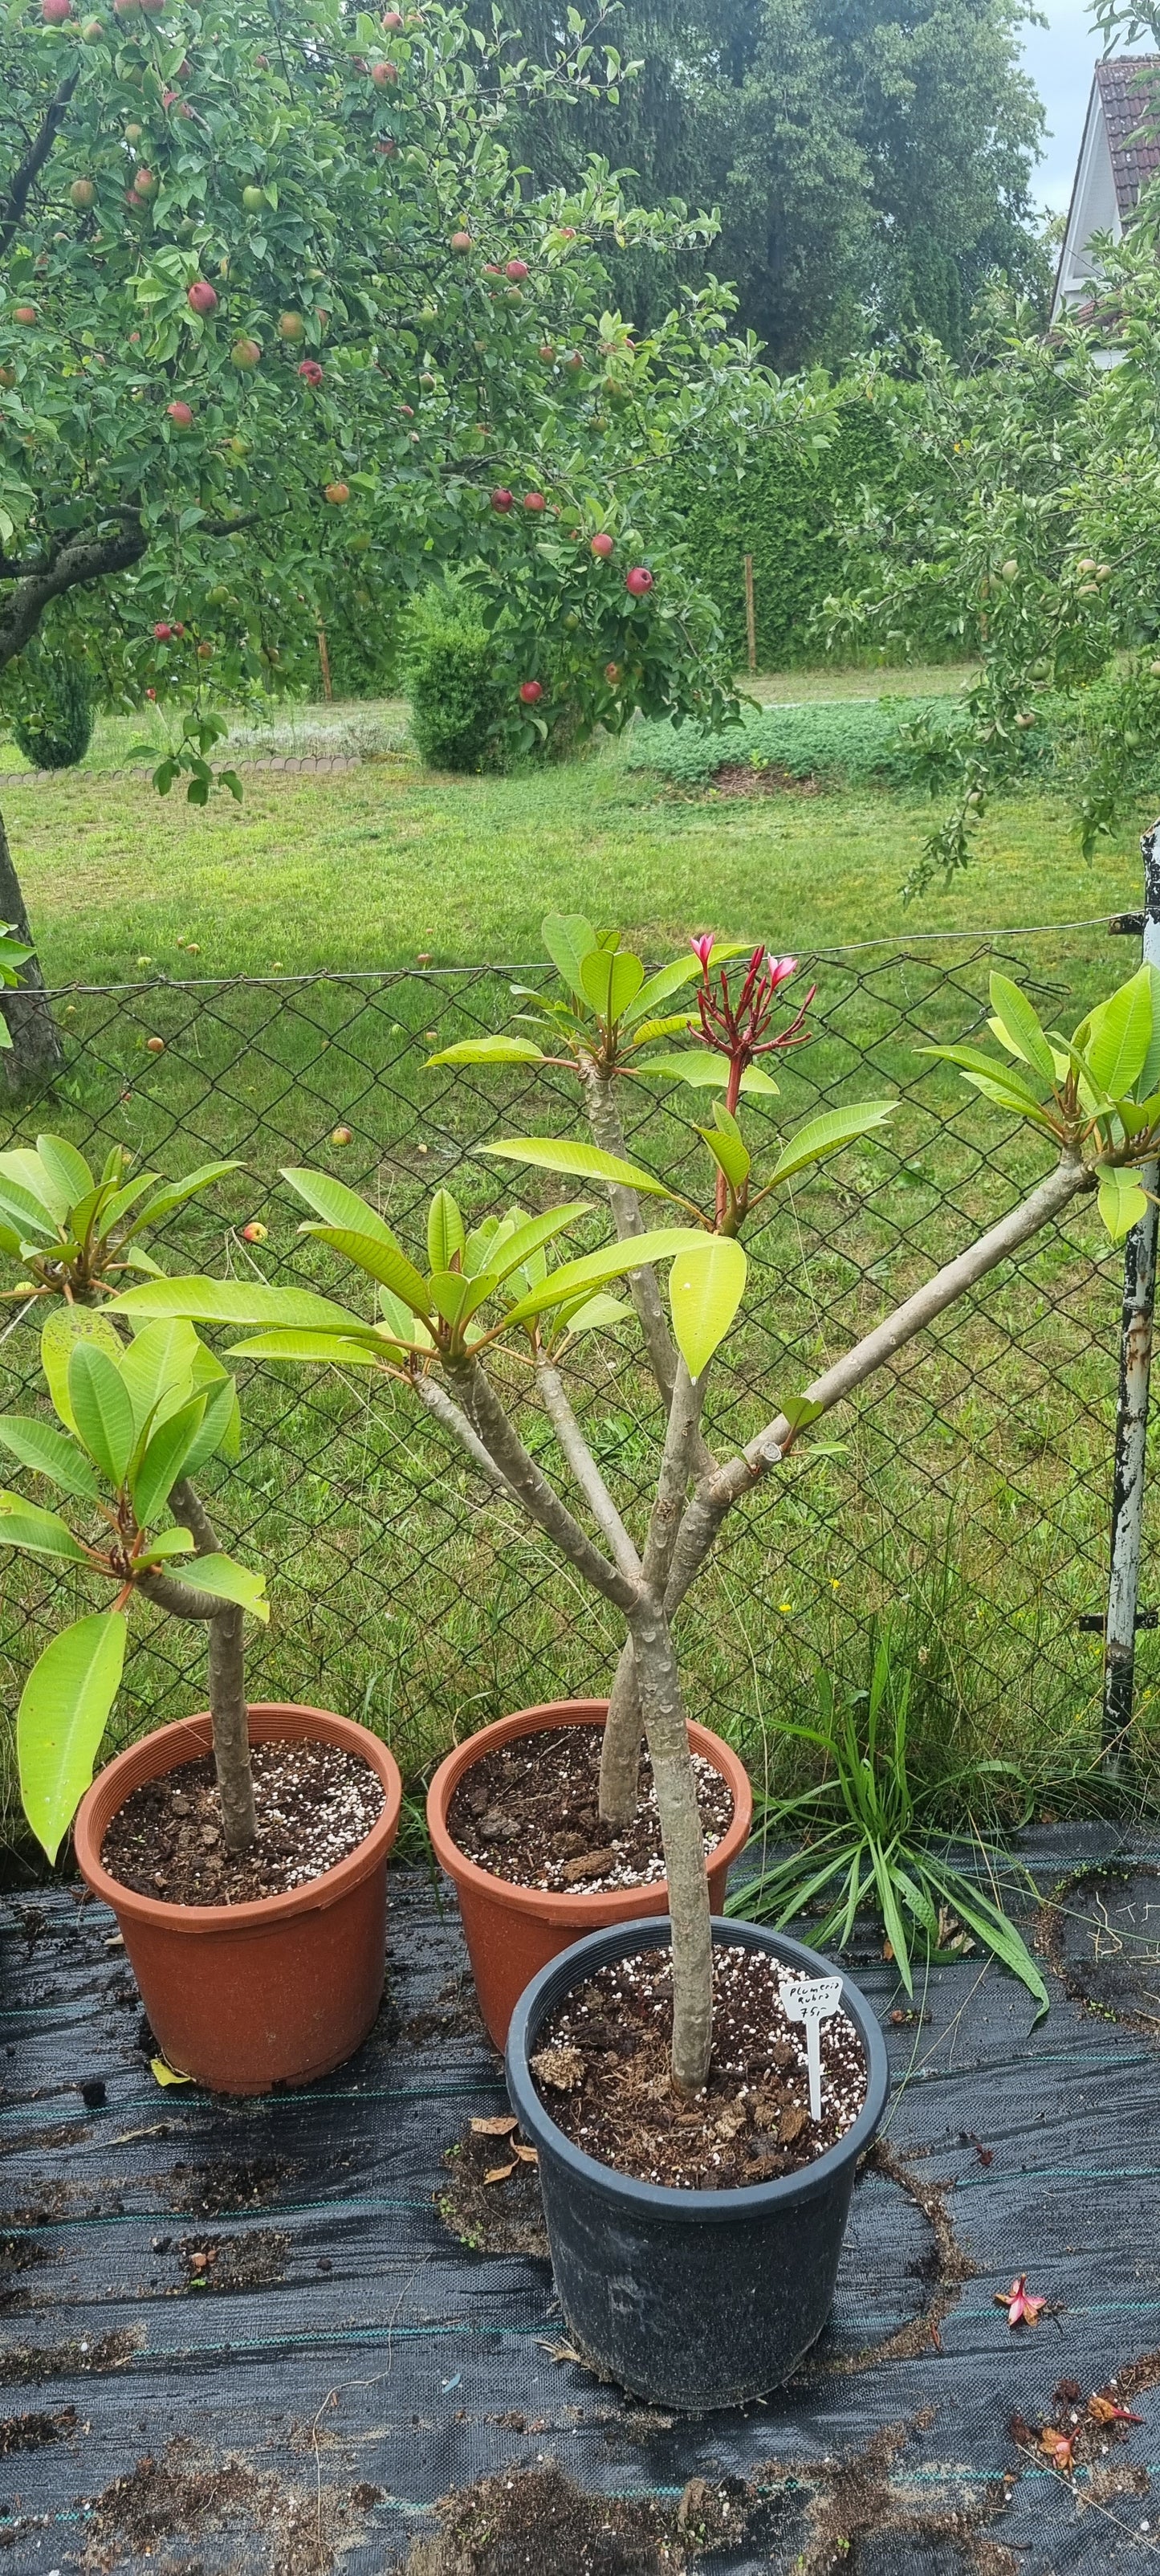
column 1129, row 88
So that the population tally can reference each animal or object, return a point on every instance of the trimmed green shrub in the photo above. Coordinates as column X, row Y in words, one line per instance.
column 851, row 744
column 53, row 723
column 457, row 709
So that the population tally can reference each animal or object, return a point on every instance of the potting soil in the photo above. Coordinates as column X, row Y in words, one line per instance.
column 249, row 2339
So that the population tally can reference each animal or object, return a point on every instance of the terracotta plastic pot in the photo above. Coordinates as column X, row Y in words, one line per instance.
column 512, row 1932
column 282, row 1988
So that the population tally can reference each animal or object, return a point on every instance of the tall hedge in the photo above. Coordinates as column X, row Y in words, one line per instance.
column 783, row 511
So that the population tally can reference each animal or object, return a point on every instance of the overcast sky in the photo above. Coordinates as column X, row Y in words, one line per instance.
column 1060, row 58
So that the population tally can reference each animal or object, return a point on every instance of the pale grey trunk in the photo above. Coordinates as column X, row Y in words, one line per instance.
column 620, row 1750
column 683, row 1843
column 231, row 1728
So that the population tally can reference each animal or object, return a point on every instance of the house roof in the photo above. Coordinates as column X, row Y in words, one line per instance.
column 1130, row 101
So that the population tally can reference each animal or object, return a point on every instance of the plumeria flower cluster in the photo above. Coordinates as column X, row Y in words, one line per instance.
column 738, row 1026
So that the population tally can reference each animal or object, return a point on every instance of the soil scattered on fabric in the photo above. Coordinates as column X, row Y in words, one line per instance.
column 538, row 2518
column 241, row 2182
column 75, row 2360
column 504, row 2217
column 189, row 2496
column 1100, row 1931
column 250, row 2262
column 18, row 2254
column 602, row 2073
column 530, row 1814
column 454, row 2014
column 32, row 2432
column 315, row 1804
column 943, row 2273
column 853, row 2506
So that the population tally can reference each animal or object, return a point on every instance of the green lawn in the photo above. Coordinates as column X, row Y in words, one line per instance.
column 378, row 864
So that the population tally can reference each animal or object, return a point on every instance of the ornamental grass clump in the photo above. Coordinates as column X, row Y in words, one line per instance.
column 484, row 1329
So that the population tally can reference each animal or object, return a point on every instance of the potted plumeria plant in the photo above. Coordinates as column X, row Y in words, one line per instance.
column 696, row 2188
column 258, row 1943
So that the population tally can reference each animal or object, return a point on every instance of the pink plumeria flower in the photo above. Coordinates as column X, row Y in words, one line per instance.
column 703, row 948
column 780, row 969
column 1021, row 2305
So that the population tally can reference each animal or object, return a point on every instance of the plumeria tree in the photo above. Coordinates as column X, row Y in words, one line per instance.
column 486, row 1324
column 142, row 1421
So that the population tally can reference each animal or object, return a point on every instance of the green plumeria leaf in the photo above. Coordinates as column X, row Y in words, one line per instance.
column 827, row 1134
column 569, row 939
column 446, row 1233
column 800, row 1410
column 218, row 1422
column 728, row 1147
column 336, row 1205
column 614, row 1261
column 706, row 1286
column 1120, row 1199
column 158, row 1369
column 64, row 1710
column 455, row 1297
column 707, row 1071
column 227, row 1581
column 612, row 978
column 166, row 1458
column 63, row 1328
column 102, row 1410
column 497, row 1050
column 175, row 1193
column 1119, row 1036
column 599, row 1314
column 236, row 1301
column 511, row 1252
column 43, row 1533
column 23, row 1170
column 580, row 1162
column 50, row 1453
column 168, row 1542
column 316, row 1348
column 382, row 1261
column 1018, row 1027
column 66, row 1167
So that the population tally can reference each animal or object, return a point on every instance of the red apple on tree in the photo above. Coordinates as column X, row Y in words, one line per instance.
column 534, row 501
column 145, row 183
column 461, row 241
column 246, row 353
column 82, row 192
column 384, row 73
column 180, row 413
column 54, row 12
column 310, row 371
column 531, row 691
column 25, row 313
column 391, row 22
column 337, row 493
column 517, row 270
column 163, row 632
column 602, row 544
column 639, row 581
column 501, row 498
column 201, row 297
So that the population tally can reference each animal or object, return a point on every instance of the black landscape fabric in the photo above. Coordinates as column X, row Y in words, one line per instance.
column 251, row 2337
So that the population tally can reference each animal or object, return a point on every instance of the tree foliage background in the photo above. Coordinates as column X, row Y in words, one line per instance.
column 872, row 159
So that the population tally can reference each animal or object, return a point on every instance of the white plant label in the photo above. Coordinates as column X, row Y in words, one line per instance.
column 812, row 2000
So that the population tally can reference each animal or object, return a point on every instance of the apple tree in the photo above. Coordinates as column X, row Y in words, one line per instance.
column 277, row 323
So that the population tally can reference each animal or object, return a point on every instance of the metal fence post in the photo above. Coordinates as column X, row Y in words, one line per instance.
column 1123, row 1615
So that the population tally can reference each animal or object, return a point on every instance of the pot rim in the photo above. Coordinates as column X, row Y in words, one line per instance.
column 189, row 1737
column 668, row 2200
column 570, row 1905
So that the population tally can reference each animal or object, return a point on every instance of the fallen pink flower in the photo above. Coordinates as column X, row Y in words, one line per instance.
column 1021, row 2305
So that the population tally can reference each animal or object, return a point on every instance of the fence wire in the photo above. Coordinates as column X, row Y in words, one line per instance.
column 966, row 1498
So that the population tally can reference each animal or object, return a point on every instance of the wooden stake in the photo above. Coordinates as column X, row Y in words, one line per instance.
column 324, row 658
column 750, row 613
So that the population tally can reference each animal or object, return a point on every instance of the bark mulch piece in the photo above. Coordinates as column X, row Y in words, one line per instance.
column 602, row 2071
column 315, row 1803
column 529, row 1813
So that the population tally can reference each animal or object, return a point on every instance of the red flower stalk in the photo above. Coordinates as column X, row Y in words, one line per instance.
column 738, row 1027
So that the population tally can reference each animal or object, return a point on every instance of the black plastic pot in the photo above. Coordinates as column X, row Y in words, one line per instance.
column 690, row 2298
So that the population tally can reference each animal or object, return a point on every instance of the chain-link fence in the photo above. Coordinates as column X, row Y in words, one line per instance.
column 965, row 1494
